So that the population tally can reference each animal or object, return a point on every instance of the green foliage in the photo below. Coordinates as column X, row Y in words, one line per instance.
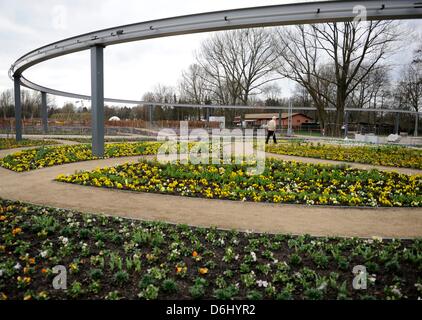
column 263, row 265
column 169, row 286
column 150, row 292
column 121, row 277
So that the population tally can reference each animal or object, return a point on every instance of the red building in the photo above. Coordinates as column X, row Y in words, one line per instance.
column 259, row 119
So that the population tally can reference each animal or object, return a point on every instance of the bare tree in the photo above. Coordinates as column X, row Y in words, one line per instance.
column 300, row 61
column 301, row 96
column 351, row 50
column 372, row 90
column 31, row 103
column 6, row 102
column 417, row 57
column 68, row 108
column 193, row 86
column 410, row 87
column 164, row 94
column 237, row 64
column 271, row 91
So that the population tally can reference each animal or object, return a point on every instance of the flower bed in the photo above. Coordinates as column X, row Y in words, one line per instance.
column 282, row 181
column 6, row 143
column 113, row 258
column 393, row 156
column 117, row 139
column 49, row 156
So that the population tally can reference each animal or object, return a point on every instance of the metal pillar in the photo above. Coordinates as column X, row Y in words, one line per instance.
column 18, row 109
column 150, row 115
column 346, row 123
column 97, row 100
column 397, row 128
column 280, row 121
column 44, row 112
column 290, row 119
column 416, row 124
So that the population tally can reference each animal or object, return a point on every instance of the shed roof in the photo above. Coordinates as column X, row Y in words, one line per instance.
column 262, row 116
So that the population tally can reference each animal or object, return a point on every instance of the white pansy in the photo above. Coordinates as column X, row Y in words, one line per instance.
column 64, row 240
column 253, row 255
column 262, row 283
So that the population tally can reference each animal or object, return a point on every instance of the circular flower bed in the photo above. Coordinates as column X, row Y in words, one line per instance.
column 114, row 258
column 393, row 156
column 282, row 181
column 49, row 156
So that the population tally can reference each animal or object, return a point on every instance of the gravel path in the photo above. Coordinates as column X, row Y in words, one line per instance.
column 38, row 187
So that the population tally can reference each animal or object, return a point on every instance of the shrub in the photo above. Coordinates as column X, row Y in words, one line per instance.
column 226, row 293
column 96, row 274
column 254, row 295
column 197, row 291
column 150, row 293
column 169, row 286
column 295, row 259
column 313, row 294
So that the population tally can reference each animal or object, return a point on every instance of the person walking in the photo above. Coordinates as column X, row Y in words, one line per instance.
column 272, row 126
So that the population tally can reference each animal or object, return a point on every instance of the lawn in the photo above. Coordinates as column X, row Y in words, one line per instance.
column 114, row 258
column 282, row 181
column 394, row 156
column 6, row 143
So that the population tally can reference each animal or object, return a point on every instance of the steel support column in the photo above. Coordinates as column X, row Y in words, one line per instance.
column 44, row 112
column 280, row 121
column 290, row 119
column 97, row 100
column 150, row 115
column 397, row 126
column 18, row 109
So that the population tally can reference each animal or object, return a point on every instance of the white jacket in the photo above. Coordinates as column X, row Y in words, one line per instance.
column 272, row 125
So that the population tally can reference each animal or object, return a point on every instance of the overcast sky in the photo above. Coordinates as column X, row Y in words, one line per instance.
column 130, row 69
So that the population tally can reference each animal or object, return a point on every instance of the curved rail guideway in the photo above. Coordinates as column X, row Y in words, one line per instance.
column 289, row 14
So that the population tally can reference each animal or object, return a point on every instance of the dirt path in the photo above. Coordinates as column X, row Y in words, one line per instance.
column 38, row 187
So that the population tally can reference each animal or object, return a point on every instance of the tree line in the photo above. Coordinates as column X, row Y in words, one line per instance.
column 333, row 65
